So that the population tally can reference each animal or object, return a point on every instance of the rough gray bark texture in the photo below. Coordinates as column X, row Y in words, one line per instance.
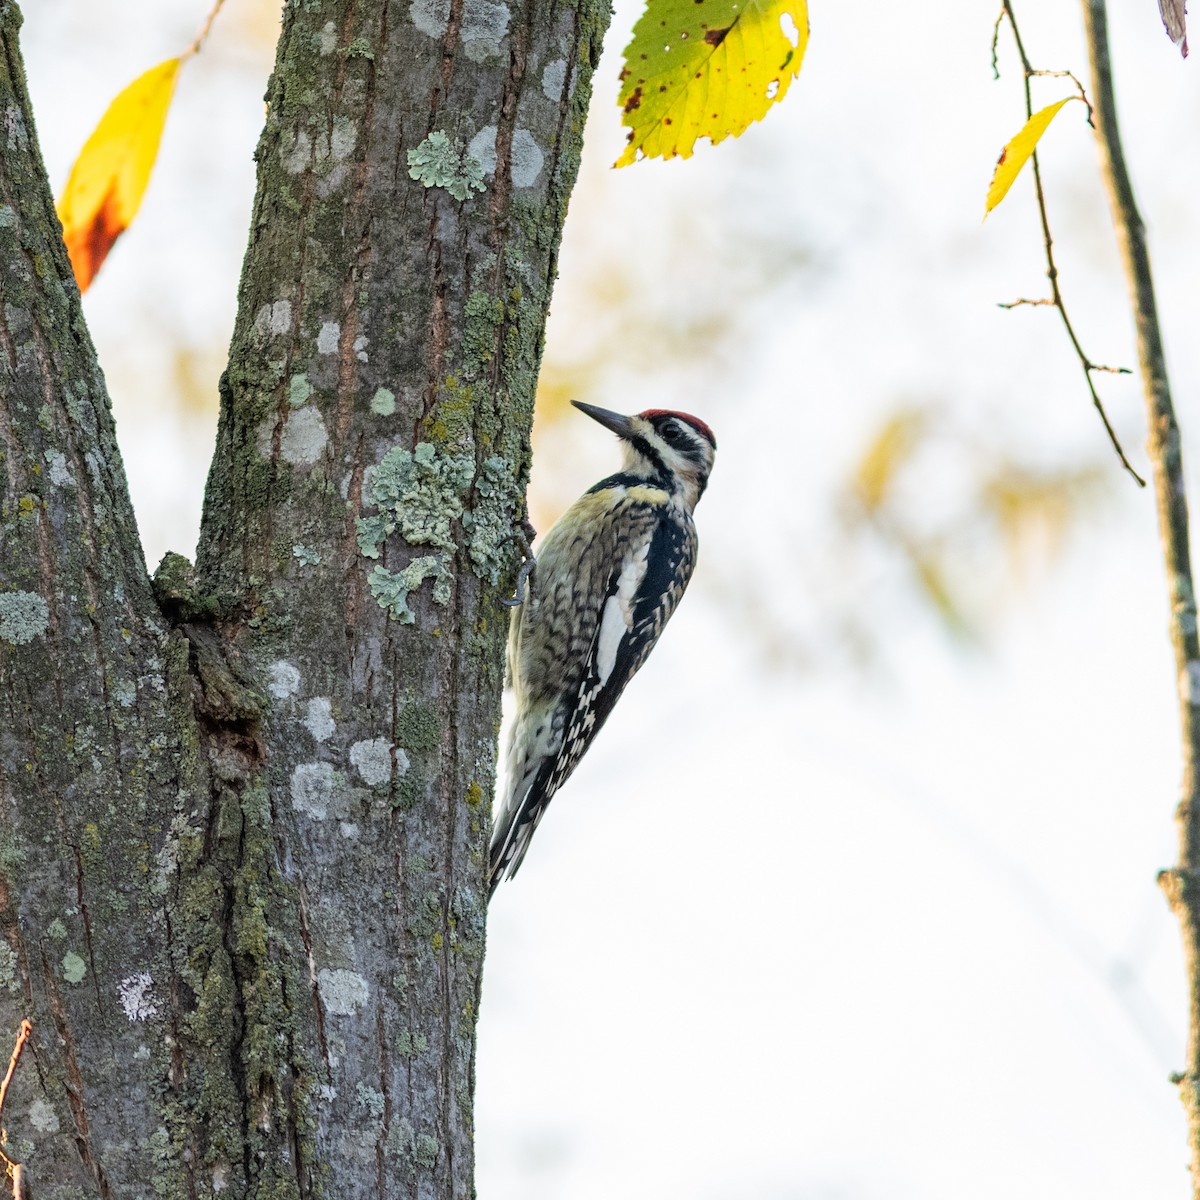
column 243, row 814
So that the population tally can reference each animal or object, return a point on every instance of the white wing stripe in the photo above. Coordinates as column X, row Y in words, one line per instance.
column 617, row 618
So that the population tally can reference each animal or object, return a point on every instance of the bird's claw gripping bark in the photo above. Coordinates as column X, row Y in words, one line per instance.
column 525, row 534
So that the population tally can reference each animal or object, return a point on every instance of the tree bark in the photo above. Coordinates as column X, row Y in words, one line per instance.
column 1181, row 883
column 245, row 811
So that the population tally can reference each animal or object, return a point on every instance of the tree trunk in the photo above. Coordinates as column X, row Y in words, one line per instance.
column 245, row 812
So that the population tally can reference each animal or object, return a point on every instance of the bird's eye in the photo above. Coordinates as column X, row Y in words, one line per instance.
column 673, row 432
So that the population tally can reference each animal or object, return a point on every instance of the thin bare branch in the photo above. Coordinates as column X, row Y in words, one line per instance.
column 1056, row 297
column 1046, row 302
column 996, row 42
column 200, row 38
column 1075, row 80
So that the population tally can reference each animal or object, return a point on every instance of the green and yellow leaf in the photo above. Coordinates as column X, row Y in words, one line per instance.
column 1017, row 152
column 706, row 68
column 109, row 178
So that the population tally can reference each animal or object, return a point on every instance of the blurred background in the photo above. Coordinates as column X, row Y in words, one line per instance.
column 855, row 895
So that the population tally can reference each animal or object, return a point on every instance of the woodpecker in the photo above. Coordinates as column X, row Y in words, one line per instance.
column 609, row 574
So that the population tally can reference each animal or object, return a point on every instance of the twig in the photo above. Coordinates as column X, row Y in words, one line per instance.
column 1045, row 302
column 1056, row 298
column 996, row 42
column 1075, row 80
column 205, row 29
column 13, row 1169
column 1166, row 458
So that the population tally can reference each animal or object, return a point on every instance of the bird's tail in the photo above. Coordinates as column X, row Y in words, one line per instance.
column 518, row 817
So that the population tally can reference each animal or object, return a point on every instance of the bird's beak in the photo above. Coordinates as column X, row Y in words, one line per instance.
column 610, row 420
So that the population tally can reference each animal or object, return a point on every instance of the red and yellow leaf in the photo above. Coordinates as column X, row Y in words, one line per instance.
column 1017, row 152
column 109, row 177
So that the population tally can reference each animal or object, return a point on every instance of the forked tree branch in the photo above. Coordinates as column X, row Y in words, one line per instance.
column 1182, row 883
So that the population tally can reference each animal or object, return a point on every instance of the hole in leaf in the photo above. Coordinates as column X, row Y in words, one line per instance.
column 790, row 30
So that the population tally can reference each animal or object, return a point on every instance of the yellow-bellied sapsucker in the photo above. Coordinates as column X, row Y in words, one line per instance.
column 608, row 577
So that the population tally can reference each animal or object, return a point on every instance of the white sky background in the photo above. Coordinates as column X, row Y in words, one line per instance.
column 796, row 933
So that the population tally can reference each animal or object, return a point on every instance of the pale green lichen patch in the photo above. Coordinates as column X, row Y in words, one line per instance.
column 59, row 471
column 409, row 1043
column 484, row 25
column 328, row 337
column 284, row 679
column 372, row 759
column 343, row 992
column 312, row 789
column 23, row 617
column 273, row 319
column 299, row 391
column 483, row 148
column 526, row 158
column 73, row 967
column 43, row 1117
column 56, row 930
column 371, row 1100
column 431, row 17
column 303, row 438
column 554, row 75
column 318, row 719
column 383, row 402
column 419, row 495
column 391, row 589
column 12, row 854
column 306, row 555
column 440, row 162
column 405, row 1144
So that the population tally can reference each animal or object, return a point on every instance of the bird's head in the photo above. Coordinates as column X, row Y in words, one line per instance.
column 673, row 447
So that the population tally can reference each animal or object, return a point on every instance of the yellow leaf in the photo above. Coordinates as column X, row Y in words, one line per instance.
column 109, row 177
column 1016, row 154
column 706, row 68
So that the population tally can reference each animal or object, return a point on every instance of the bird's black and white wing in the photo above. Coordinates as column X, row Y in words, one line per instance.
column 640, row 595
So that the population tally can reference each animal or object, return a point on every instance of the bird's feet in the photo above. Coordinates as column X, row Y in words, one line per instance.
column 523, row 535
